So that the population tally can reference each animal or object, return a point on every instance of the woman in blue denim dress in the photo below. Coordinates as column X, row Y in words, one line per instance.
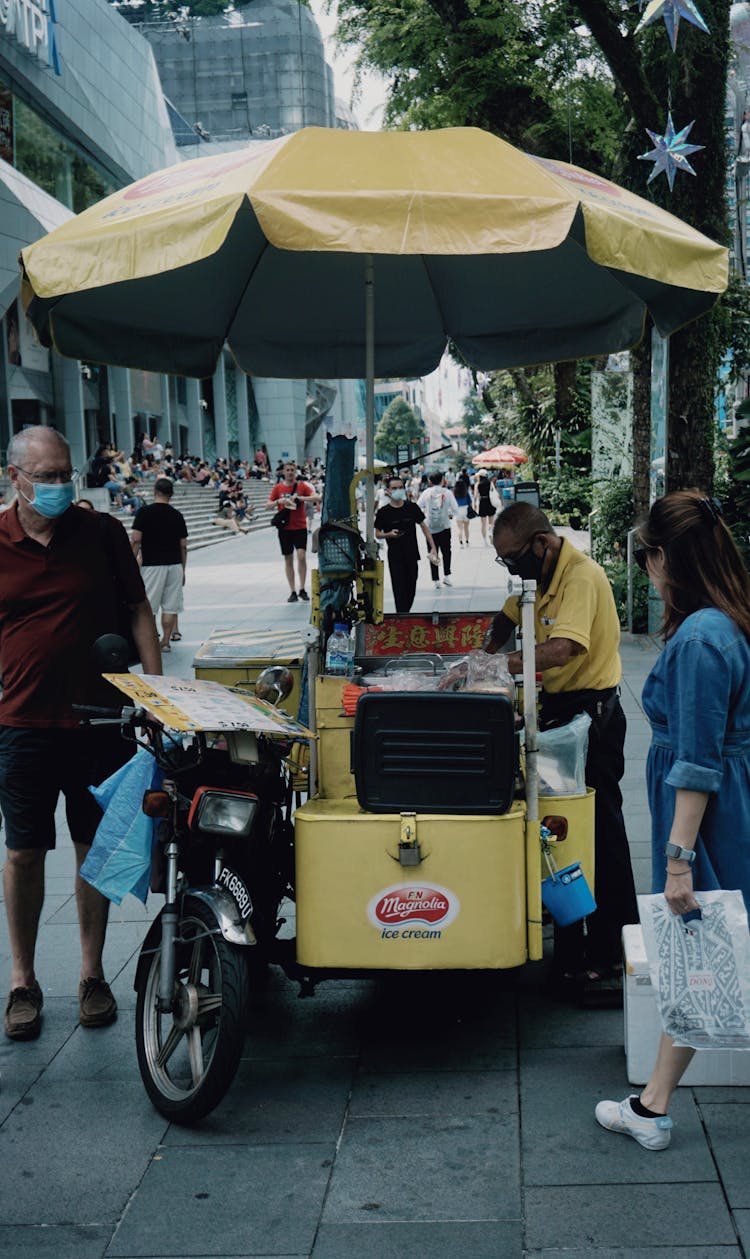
column 697, row 700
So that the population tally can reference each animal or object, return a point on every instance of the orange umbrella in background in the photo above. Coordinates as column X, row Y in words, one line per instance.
column 500, row 457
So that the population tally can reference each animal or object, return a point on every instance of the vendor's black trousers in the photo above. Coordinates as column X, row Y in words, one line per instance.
column 403, row 570
column 614, row 885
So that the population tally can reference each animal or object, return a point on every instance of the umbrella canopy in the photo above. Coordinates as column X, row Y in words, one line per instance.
column 271, row 248
column 500, row 457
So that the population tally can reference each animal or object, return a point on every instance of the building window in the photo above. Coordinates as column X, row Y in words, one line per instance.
column 54, row 163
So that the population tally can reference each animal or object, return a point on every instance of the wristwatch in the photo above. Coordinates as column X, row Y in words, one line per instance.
column 679, row 854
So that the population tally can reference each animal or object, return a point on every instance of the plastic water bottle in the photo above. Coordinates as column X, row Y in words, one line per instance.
column 340, row 652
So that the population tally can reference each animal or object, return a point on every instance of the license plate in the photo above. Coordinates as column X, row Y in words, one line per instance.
column 233, row 884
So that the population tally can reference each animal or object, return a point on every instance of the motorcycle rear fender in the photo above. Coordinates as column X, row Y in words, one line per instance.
column 223, row 908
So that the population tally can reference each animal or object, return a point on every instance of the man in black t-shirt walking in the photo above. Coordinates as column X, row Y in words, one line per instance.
column 159, row 542
column 396, row 522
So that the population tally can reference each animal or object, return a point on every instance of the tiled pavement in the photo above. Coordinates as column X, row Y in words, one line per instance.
column 418, row 1117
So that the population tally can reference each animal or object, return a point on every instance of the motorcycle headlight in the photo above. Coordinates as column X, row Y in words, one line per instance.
column 229, row 813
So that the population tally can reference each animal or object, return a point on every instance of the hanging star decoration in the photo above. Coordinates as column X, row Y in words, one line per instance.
column 672, row 11
column 671, row 152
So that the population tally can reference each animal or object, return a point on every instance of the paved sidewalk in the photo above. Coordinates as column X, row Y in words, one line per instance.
column 414, row 1117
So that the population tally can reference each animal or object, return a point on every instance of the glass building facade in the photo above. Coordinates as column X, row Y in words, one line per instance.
column 104, row 99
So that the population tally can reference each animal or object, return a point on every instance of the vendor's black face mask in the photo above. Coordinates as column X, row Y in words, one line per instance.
column 526, row 564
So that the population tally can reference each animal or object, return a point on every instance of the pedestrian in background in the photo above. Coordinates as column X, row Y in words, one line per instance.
column 293, row 495
column 439, row 506
column 159, row 539
column 462, row 495
column 65, row 574
column 396, row 522
column 484, row 506
column 697, row 700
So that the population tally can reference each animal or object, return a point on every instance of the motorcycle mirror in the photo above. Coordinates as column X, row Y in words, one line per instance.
column 110, row 652
column 274, row 684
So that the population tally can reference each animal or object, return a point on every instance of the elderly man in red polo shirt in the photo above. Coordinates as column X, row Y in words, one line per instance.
column 63, row 574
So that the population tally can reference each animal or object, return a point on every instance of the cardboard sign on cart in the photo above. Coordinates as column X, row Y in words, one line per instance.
column 184, row 704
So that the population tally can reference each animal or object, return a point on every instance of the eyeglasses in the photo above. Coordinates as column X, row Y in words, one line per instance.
column 640, row 555
column 50, row 478
column 503, row 559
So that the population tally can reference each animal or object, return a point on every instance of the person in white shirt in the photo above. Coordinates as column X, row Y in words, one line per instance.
column 439, row 506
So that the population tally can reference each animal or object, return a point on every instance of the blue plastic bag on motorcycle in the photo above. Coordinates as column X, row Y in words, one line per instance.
column 119, row 860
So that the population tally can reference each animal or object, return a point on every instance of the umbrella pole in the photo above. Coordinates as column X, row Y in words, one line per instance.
column 533, row 848
column 370, row 404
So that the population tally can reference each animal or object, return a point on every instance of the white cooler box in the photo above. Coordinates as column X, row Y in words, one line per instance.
column 643, row 1027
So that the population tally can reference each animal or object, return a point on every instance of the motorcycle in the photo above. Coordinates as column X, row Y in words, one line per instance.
column 224, row 861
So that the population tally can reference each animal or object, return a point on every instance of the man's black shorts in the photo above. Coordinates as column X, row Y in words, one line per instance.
column 37, row 764
column 292, row 540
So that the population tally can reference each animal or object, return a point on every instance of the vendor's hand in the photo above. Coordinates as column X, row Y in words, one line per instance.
column 678, row 892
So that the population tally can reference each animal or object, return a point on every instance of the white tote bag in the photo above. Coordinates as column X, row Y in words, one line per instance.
column 700, row 969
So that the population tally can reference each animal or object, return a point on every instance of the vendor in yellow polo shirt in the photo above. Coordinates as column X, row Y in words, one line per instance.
column 578, row 637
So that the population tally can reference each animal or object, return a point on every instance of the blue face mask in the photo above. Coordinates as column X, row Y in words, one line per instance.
column 398, row 496
column 52, row 500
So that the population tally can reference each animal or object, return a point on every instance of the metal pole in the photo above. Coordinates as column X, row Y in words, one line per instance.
column 370, row 403
column 629, row 556
column 533, row 844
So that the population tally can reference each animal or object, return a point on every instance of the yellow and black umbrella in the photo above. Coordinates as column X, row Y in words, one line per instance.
column 516, row 259
column 359, row 254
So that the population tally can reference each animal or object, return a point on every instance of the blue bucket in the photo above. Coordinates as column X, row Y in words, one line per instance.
column 567, row 895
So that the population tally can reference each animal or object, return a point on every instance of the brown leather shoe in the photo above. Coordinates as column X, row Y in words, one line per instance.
column 23, row 1013
column 98, row 1006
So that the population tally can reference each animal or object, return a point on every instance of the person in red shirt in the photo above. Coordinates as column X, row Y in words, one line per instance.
column 64, row 574
column 294, row 495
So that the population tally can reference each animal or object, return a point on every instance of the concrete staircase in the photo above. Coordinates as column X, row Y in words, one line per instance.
column 199, row 504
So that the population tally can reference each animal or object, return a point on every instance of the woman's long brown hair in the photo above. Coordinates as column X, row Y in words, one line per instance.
column 704, row 569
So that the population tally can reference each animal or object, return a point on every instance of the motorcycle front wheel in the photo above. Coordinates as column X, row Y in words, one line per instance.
column 189, row 1055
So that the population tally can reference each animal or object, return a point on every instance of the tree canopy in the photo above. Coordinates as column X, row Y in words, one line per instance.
column 571, row 79
column 399, row 426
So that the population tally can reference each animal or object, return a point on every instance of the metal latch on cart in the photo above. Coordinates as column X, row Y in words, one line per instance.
column 409, row 852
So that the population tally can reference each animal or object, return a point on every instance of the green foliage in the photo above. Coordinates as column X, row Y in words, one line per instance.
column 617, row 571
column 518, row 70
column 613, row 520
column 477, row 422
column 610, row 527
column 522, row 412
column 566, row 499
column 399, row 426
column 733, row 309
column 737, row 494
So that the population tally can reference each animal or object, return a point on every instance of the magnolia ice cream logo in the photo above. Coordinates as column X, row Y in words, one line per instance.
column 406, row 903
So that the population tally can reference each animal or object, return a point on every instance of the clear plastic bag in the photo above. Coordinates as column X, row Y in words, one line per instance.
column 489, row 674
column 561, row 761
column 700, row 969
column 403, row 680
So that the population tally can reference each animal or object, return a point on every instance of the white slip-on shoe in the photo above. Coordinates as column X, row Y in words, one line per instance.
column 447, row 581
column 652, row 1134
column 436, row 585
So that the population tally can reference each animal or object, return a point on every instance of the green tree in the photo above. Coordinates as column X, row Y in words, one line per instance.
column 477, row 423
column 518, row 70
column 399, row 426
column 571, row 78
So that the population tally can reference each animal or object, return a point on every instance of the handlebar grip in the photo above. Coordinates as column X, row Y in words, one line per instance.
column 90, row 710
